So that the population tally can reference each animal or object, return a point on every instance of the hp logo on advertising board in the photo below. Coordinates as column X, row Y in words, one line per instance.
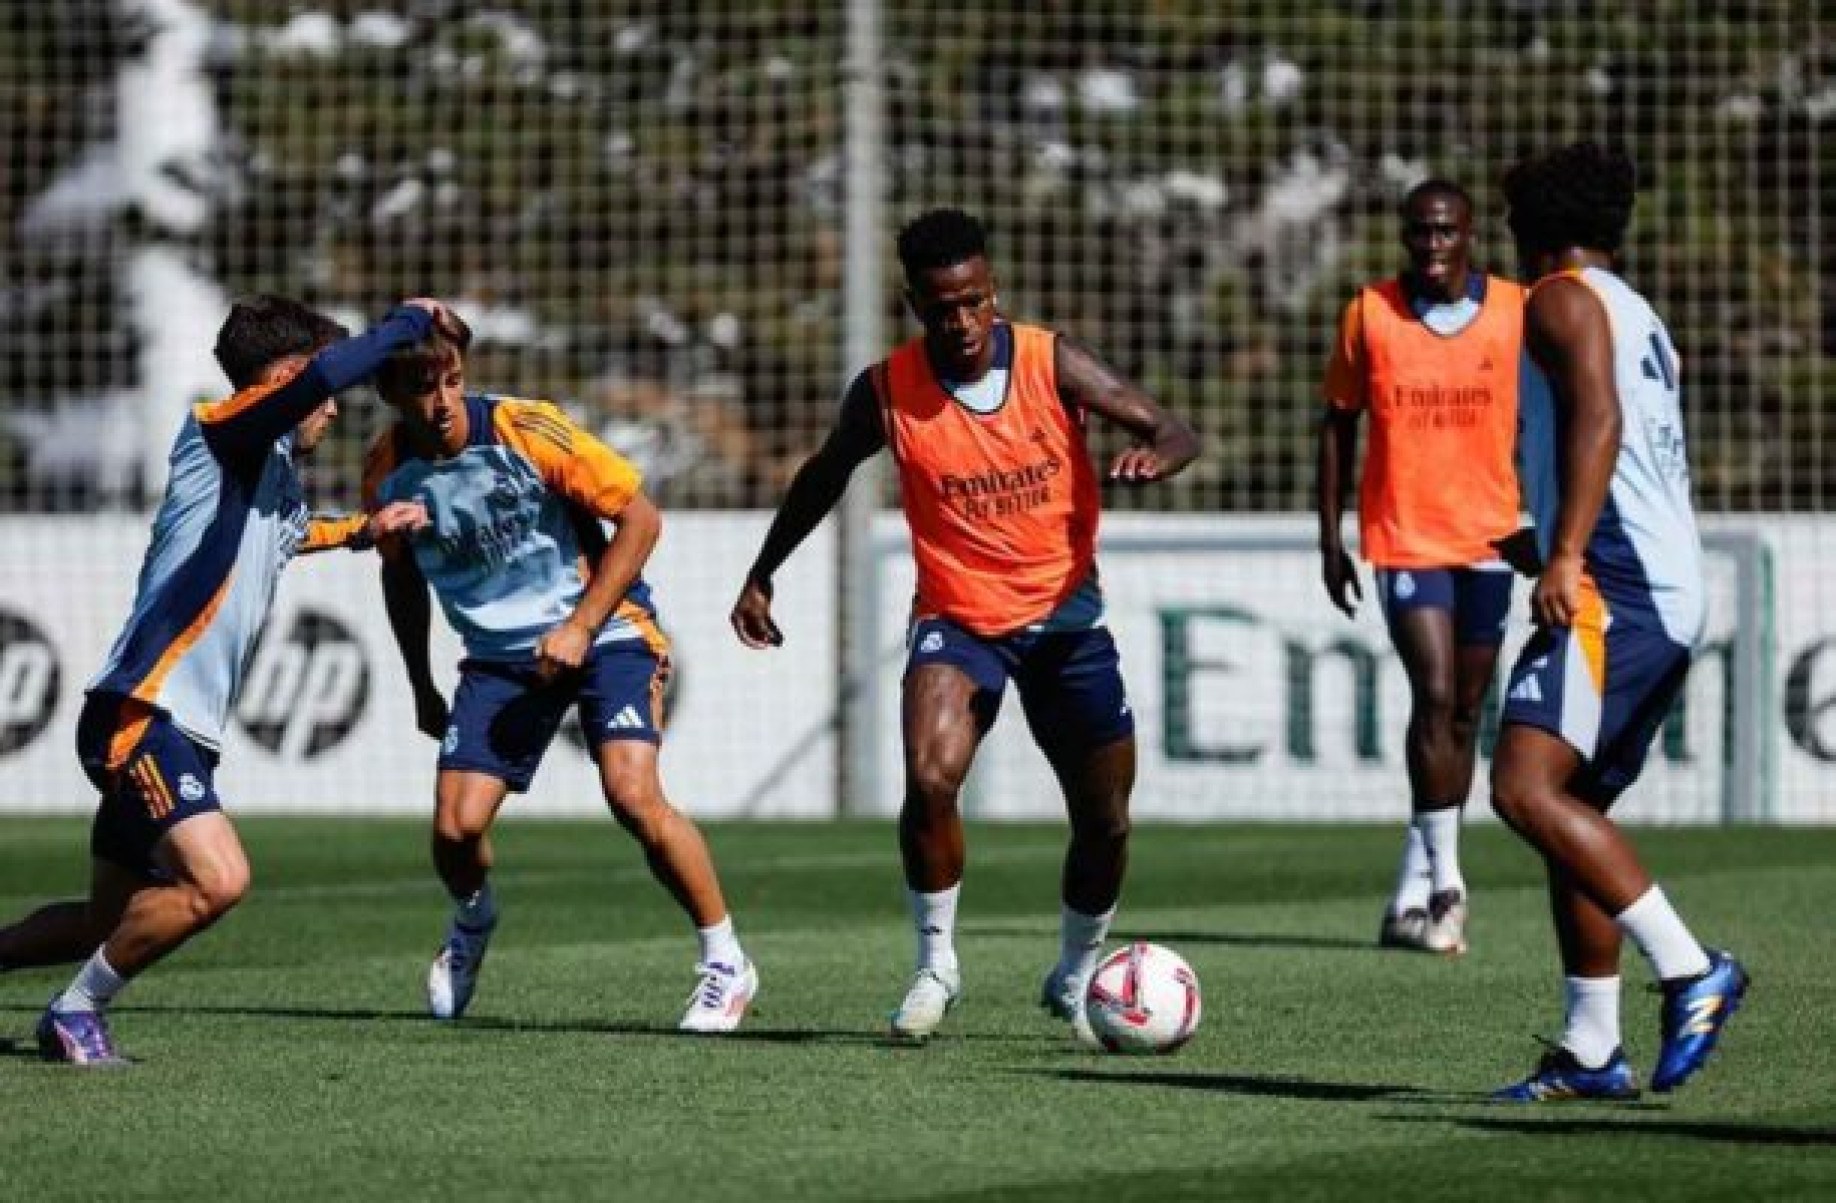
column 307, row 685
column 29, row 680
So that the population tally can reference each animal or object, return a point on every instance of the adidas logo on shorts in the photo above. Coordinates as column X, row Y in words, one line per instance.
column 627, row 719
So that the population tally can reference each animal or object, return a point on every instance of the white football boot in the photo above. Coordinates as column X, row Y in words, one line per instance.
column 1063, row 998
column 1446, row 929
column 454, row 973
column 720, row 998
column 931, row 995
column 1404, row 929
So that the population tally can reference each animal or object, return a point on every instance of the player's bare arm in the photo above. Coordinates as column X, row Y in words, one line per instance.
column 410, row 610
column 636, row 529
column 241, row 430
column 813, row 492
column 1164, row 443
column 1338, row 446
column 1566, row 331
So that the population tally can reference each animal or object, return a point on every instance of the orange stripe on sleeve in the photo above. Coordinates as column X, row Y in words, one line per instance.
column 539, row 424
column 211, row 412
column 323, row 534
column 570, row 461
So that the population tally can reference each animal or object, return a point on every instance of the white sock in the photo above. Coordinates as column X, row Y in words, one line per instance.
column 719, row 946
column 934, row 917
column 93, row 988
column 1591, row 1018
column 1080, row 941
column 1411, row 893
column 477, row 912
column 1441, row 842
column 1658, row 930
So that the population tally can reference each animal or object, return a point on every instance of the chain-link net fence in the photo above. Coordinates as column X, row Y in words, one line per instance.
column 639, row 207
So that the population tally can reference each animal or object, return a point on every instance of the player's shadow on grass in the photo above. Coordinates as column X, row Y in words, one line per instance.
column 1250, row 940
column 1713, row 1131
column 18, row 1050
column 1174, row 938
column 753, row 1033
column 1278, row 1086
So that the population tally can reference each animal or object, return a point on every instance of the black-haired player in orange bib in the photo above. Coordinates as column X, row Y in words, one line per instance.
column 985, row 421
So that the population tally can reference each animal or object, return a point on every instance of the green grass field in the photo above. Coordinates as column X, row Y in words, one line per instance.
column 285, row 1055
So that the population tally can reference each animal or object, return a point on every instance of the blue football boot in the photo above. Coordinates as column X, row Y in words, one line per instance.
column 1559, row 1077
column 77, row 1038
column 1695, row 1012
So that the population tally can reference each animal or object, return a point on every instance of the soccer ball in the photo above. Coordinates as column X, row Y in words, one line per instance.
column 1143, row 999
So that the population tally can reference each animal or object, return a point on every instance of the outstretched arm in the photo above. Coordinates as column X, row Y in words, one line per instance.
column 1164, row 444
column 361, row 532
column 1567, row 332
column 243, row 428
column 813, row 492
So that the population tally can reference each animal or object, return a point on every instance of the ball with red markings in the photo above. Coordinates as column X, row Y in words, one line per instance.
column 1143, row 998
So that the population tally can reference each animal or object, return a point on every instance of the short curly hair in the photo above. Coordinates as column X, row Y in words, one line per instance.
column 940, row 238
column 1579, row 195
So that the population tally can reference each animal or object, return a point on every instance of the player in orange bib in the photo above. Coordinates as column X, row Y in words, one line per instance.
column 1433, row 355
column 985, row 421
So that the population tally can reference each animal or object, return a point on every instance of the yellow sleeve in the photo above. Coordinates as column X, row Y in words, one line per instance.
column 324, row 534
column 1344, row 387
column 571, row 462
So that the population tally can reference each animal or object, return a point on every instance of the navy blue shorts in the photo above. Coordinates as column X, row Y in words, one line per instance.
column 505, row 716
column 1070, row 682
column 1478, row 598
column 151, row 775
column 1604, row 687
